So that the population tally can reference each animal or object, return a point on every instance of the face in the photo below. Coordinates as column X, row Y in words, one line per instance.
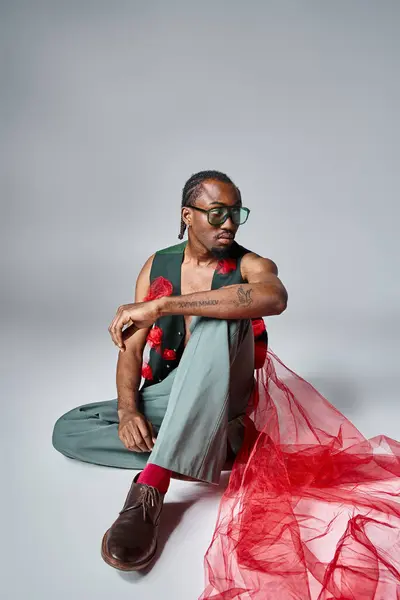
column 216, row 239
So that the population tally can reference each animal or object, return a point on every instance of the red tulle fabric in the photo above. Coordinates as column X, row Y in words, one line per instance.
column 312, row 508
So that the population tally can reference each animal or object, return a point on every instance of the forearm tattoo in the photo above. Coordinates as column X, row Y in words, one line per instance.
column 244, row 298
column 198, row 303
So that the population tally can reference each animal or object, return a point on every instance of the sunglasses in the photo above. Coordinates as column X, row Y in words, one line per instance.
column 218, row 216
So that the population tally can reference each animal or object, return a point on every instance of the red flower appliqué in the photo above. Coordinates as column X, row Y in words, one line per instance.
column 154, row 338
column 226, row 265
column 169, row 354
column 258, row 327
column 159, row 288
column 147, row 373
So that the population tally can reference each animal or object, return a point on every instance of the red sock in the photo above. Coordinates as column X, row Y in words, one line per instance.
column 155, row 476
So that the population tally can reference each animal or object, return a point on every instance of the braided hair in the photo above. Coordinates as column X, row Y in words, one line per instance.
column 193, row 189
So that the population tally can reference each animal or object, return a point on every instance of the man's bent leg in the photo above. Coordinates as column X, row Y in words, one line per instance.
column 212, row 385
column 193, row 435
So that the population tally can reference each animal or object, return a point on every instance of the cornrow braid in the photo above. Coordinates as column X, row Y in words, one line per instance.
column 193, row 189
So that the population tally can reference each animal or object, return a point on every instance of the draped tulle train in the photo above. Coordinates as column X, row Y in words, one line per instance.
column 312, row 508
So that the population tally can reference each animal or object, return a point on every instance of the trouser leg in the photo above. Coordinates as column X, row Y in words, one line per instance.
column 90, row 432
column 212, row 386
column 189, row 410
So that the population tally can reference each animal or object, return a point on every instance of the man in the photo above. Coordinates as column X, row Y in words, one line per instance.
column 185, row 420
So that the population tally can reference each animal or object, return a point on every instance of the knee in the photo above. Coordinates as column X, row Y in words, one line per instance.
column 57, row 434
column 59, row 437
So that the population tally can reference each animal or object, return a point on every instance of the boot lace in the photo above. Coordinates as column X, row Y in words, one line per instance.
column 147, row 499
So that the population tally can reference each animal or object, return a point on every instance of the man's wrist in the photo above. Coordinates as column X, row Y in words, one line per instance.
column 161, row 307
column 128, row 405
column 127, row 410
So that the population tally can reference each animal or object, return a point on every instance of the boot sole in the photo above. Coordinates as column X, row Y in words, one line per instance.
column 113, row 562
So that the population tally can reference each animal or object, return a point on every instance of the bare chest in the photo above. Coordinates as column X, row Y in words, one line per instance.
column 195, row 279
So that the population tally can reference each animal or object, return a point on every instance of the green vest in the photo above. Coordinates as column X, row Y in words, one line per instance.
column 167, row 263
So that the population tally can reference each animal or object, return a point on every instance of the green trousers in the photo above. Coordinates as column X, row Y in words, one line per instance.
column 195, row 411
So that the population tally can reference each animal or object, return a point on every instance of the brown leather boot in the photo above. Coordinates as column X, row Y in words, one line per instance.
column 131, row 542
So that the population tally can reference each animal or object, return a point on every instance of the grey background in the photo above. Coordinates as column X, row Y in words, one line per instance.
column 106, row 109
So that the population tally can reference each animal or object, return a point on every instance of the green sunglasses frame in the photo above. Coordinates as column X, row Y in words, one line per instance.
column 228, row 214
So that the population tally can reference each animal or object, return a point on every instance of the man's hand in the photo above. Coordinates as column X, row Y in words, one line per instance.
column 140, row 315
column 135, row 431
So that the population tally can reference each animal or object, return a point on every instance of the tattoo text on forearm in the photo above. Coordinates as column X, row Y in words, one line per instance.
column 244, row 300
column 198, row 303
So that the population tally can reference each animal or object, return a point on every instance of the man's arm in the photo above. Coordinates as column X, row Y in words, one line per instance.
column 129, row 365
column 262, row 295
